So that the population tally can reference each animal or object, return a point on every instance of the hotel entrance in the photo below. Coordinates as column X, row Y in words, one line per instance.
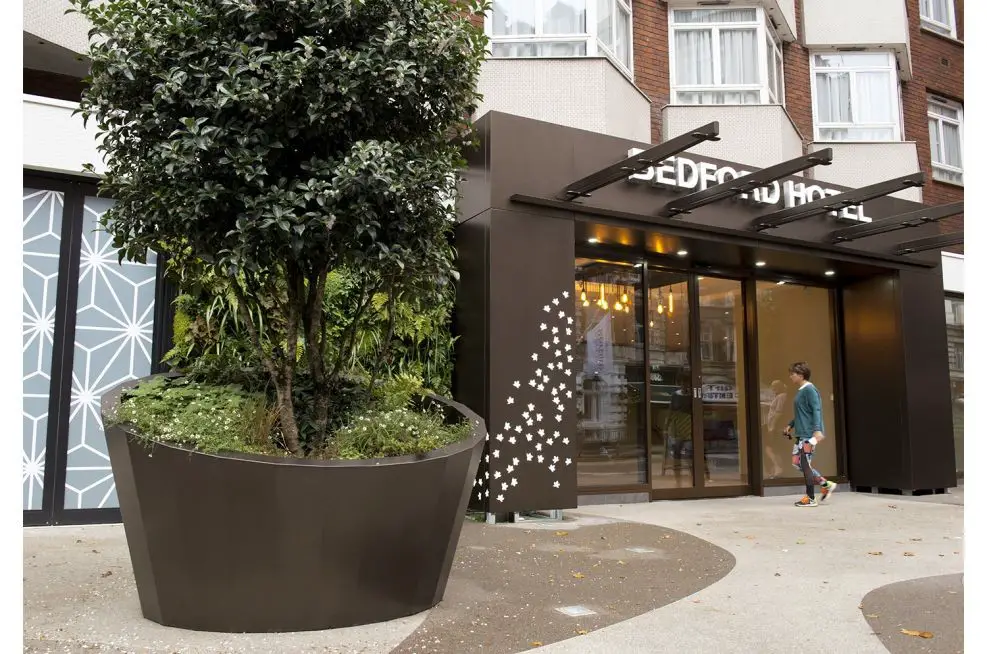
column 660, row 366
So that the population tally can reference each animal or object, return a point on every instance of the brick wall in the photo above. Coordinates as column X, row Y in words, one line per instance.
column 651, row 57
column 798, row 92
column 937, row 68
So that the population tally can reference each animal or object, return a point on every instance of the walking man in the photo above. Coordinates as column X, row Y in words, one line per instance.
column 808, row 431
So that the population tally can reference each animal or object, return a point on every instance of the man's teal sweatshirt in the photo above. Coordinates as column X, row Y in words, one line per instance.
column 808, row 412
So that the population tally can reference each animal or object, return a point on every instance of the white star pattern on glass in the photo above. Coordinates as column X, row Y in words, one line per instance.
column 510, row 400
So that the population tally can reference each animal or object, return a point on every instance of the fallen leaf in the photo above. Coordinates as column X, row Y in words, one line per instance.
column 777, row 574
column 696, row 601
column 800, row 542
column 750, row 537
column 621, row 563
column 876, row 553
column 666, row 536
column 582, row 632
column 536, row 643
column 892, row 506
column 909, row 553
column 578, row 575
column 919, row 634
column 562, row 533
column 106, row 574
column 872, row 616
column 915, row 539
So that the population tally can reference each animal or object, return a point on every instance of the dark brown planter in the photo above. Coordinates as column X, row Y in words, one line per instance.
column 239, row 543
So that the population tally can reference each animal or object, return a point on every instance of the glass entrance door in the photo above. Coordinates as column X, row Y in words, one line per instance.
column 698, row 427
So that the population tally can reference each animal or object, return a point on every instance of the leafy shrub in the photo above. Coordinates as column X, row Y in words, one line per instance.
column 395, row 432
column 264, row 146
column 200, row 416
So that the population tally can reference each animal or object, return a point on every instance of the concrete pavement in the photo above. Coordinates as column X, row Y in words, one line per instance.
column 800, row 577
column 799, row 582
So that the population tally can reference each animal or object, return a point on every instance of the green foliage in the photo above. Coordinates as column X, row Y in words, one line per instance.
column 199, row 416
column 266, row 146
column 394, row 432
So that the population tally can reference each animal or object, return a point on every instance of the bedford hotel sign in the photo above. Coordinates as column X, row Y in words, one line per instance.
column 685, row 174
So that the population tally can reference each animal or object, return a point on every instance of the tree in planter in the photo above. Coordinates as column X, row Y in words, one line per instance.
column 272, row 142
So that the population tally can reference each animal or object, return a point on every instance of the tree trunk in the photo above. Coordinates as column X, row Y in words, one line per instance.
column 316, row 350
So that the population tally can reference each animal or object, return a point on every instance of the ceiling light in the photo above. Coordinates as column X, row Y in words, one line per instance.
column 682, row 253
column 830, row 273
column 592, row 240
column 760, row 264
column 780, row 284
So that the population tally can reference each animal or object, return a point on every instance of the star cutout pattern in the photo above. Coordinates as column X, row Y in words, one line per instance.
column 548, row 381
column 41, row 230
column 114, row 327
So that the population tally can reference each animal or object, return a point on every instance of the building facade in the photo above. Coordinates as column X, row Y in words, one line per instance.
column 877, row 83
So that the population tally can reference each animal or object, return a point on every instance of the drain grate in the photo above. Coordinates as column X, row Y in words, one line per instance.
column 575, row 611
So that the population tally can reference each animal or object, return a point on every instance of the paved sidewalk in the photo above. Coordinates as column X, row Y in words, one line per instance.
column 799, row 583
column 800, row 577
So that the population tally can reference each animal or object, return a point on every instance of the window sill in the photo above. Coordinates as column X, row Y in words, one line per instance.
column 848, row 142
column 944, row 37
column 959, row 185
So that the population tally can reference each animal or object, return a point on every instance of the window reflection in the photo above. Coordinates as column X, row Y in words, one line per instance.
column 794, row 323
column 954, row 343
column 609, row 370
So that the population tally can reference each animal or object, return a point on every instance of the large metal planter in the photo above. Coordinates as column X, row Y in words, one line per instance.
column 240, row 543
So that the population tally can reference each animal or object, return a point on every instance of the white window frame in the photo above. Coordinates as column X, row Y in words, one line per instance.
column 933, row 24
column 937, row 166
column 764, row 34
column 894, row 87
column 594, row 46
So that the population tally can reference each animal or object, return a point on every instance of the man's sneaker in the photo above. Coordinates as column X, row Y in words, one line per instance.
column 827, row 489
column 806, row 501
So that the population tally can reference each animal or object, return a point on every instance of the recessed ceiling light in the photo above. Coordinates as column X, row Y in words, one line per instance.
column 760, row 264
column 830, row 273
column 592, row 240
column 682, row 253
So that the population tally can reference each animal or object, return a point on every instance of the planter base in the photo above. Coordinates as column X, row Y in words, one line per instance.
column 256, row 544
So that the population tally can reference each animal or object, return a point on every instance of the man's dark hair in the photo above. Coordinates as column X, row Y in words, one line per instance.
column 801, row 368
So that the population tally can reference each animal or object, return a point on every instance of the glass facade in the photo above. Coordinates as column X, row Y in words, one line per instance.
column 954, row 343
column 609, row 367
column 794, row 323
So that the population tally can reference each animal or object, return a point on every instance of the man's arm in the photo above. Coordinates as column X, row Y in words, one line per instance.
column 817, row 432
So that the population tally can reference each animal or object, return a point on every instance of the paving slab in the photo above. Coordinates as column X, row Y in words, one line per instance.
column 509, row 581
column 80, row 597
column 792, row 564
column 931, row 606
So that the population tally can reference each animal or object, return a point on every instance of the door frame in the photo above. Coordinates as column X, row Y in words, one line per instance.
column 749, row 279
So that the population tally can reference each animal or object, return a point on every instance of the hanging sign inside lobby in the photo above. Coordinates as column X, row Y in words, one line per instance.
column 684, row 173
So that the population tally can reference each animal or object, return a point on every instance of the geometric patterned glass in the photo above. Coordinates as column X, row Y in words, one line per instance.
column 114, row 326
column 41, row 231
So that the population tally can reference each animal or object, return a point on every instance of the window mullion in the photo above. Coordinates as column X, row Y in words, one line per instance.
column 761, row 43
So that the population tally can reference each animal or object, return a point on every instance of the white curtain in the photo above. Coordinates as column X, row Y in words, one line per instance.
column 738, row 57
column 714, row 15
column 623, row 47
column 951, row 145
column 935, row 142
column 874, row 101
column 833, row 97
column 694, row 57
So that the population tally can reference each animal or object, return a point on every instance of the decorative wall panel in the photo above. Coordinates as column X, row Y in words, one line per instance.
column 113, row 334
column 41, row 229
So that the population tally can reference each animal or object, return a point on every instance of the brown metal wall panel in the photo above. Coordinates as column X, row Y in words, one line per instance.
column 931, row 461
column 532, row 421
column 470, row 325
column 875, row 391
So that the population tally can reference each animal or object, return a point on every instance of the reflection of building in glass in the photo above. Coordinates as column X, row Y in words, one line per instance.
column 954, row 343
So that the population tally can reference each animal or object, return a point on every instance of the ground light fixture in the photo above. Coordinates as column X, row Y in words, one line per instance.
column 760, row 264
column 830, row 273
column 682, row 253
column 594, row 241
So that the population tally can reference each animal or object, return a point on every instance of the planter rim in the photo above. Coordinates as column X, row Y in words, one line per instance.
column 111, row 399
